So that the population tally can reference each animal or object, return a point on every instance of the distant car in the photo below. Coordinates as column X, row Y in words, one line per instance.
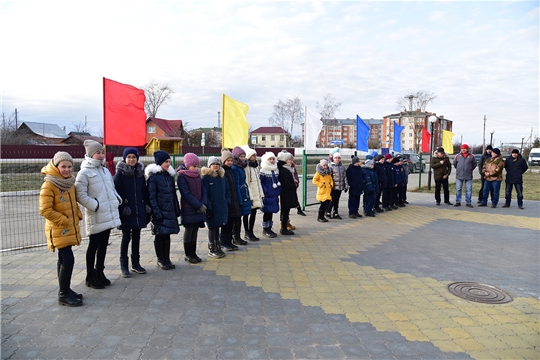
column 477, row 157
column 413, row 161
column 534, row 157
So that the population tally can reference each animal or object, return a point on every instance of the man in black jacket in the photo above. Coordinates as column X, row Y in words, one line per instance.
column 515, row 167
column 485, row 156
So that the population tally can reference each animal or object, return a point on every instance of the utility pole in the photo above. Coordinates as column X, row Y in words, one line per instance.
column 219, row 119
column 16, row 119
column 484, row 140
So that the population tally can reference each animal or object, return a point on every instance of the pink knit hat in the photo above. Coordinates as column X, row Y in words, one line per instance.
column 190, row 159
column 237, row 151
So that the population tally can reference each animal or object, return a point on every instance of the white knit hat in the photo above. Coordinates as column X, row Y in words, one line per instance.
column 61, row 156
column 92, row 147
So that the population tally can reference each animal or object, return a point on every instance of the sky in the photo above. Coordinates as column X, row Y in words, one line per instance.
column 478, row 58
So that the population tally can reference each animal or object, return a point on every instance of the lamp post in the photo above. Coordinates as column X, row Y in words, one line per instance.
column 492, row 131
column 522, row 139
column 432, row 120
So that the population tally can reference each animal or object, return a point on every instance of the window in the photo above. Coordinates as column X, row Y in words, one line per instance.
column 281, row 137
column 272, row 137
column 151, row 129
column 263, row 137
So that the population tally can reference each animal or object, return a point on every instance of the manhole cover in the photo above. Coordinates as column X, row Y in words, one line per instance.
column 479, row 293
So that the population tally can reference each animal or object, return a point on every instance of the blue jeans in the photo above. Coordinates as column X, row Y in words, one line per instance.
column 468, row 190
column 519, row 191
column 494, row 186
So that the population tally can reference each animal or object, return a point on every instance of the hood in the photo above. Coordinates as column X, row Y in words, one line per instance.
column 155, row 169
column 212, row 173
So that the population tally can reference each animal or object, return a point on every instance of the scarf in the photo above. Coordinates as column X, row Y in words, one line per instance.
column 189, row 173
column 61, row 183
column 240, row 163
column 253, row 163
column 323, row 171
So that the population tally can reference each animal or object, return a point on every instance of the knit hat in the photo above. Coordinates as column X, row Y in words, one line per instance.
column 489, row 147
column 379, row 157
column 356, row 159
column 337, row 155
column 369, row 163
column 61, row 156
column 160, row 157
column 190, row 159
column 237, row 151
column 249, row 152
column 130, row 150
column 388, row 156
column 465, row 146
column 440, row 150
column 497, row 151
column 92, row 147
column 374, row 154
column 284, row 155
column 323, row 162
column 515, row 151
column 396, row 160
column 334, row 150
column 213, row 160
column 226, row 154
column 369, row 157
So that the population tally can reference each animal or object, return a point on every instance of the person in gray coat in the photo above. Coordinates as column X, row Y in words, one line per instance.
column 465, row 163
column 97, row 194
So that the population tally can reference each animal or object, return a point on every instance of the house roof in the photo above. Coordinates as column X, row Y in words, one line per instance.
column 81, row 136
column 269, row 130
column 169, row 127
column 168, row 138
column 51, row 131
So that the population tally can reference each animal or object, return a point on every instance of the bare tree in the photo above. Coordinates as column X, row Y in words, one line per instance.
column 329, row 108
column 82, row 126
column 212, row 139
column 156, row 95
column 286, row 114
column 8, row 135
column 415, row 101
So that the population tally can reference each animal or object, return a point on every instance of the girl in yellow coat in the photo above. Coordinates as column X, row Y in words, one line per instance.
column 58, row 205
column 325, row 183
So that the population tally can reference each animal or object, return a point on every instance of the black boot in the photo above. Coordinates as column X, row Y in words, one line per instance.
column 78, row 296
column 92, row 280
column 194, row 252
column 218, row 248
column 320, row 217
column 161, row 262
column 136, row 265
column 250, row 236
column 124, row 271
column 65, row 296
column 167, row 253
column 101, row 276
column 188, row 253
column 213, row 251
column 300, row 212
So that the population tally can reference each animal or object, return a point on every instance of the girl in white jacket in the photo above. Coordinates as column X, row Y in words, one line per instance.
column 255, row 192
column 97, row 194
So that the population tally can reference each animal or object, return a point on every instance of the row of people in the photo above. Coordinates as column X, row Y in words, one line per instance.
column 491, row 169
column 222, row 195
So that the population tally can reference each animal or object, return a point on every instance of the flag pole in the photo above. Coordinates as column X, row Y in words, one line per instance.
column 104, row 112
column 223, row 122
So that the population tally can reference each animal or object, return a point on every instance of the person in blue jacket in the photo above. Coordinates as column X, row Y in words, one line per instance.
column 378, row 167
column 242, row 191
column 219, row 199
column 371, row 187
column 165, row 206
column 356, row 187
column 193, row 202
column 233, row 212
column 389, row 185
column 134, row 211
column 271, row 190
column 401, row 180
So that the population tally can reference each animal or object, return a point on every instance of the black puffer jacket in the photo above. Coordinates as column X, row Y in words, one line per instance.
column 515, row 168
column 288, row 198
column 163, row 200
column 131, row 186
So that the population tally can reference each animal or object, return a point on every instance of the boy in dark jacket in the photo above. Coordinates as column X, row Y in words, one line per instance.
column 288, row 198
column 356, row 187
column 371, row 187
column 389, row 184
column 234, row 216
column 515, row 167
column 378, row 167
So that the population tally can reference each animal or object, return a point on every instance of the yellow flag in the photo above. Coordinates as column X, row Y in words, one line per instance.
column 447, row 144
column 235, row 127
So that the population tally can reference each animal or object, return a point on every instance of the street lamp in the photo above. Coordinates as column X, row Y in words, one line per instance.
column 522, row 139
column 432, row 119
column 492, row 131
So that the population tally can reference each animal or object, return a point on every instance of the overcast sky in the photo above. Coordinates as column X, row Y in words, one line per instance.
column 479, row 58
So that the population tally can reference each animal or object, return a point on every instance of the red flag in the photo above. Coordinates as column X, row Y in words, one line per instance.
column 426, row 139
column 124, row 119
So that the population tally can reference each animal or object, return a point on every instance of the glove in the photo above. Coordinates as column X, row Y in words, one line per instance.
column 347, row 189
column 209, row 214
column 148, row 209
column 202, row 209
column 126, row 211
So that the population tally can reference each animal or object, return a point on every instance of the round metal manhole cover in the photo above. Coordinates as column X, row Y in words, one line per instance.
column 479, row 293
